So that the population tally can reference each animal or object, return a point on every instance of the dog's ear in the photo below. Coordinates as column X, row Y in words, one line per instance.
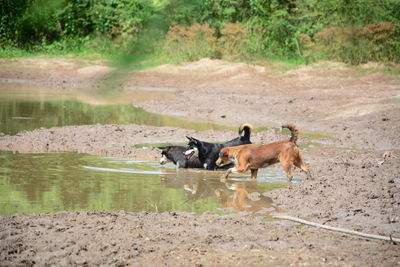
column 161, row 148
column 223, row 154
column 192, row 139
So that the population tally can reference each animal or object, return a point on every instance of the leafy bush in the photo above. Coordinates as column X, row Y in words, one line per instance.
column 233, row 43
column 355, row 45
column 190, row 43
column 345, row 30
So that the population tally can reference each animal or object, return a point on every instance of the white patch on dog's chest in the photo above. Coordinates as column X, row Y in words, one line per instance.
column 234, row 160
column 194, row 151
column 205, row 165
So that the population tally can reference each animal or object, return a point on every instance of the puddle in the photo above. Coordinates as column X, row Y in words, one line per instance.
column 52, row 182
column 18, row 114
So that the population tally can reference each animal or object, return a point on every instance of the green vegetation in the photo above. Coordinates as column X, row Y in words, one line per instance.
column 352, row 31
column 310, row 145
column 313, row 135
column 142, row 145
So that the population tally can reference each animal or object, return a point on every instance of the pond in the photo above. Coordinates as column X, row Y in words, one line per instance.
column 51, row 182
column 27, row 112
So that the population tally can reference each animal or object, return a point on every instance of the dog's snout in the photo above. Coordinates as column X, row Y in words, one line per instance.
column 163, row 160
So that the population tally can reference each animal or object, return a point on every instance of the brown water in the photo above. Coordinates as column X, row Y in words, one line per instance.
column 51, row 182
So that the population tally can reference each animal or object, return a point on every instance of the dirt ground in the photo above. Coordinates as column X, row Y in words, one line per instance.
column 349, row 120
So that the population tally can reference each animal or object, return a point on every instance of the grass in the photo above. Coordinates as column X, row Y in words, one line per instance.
column 286, row 64
column 132, row 55
column 82, row 54
column 270, row 219
column 13, row 53
column 141, row 145
column 310, row 144
column 131, row 60
column 137, row 62
column 261, row 129
column 389, row 69
column 312, row 135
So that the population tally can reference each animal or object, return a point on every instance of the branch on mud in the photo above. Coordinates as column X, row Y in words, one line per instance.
column 336, row 229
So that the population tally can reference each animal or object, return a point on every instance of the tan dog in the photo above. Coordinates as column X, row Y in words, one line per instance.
column 254, row 157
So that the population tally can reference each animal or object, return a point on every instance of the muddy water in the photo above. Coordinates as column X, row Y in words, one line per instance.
column 18, row 114
column 51, row 182
column 36, row 183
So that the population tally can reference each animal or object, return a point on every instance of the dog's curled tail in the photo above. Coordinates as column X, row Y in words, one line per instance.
column 295, row 132
column 246, row 127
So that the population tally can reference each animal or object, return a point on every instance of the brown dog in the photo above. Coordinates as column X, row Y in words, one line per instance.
column 254, row 157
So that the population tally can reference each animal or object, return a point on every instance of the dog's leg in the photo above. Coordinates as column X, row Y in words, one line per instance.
column 225, row 176
column 235, row 170
column 254, row 173
column 229, row 171
column 306, row 170
column 286, row 159
column 287, row 167
column 299, row 164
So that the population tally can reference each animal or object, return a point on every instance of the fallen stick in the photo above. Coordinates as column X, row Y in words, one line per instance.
column 336, row 229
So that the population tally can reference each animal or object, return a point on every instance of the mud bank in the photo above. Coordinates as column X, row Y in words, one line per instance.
column 179, row 239
column 115, row 140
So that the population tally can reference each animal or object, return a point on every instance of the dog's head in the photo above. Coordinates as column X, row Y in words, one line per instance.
column 165, row 157
column 192, row 148
column 223, row 157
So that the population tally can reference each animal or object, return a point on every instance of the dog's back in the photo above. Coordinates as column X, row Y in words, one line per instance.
column 208, row 152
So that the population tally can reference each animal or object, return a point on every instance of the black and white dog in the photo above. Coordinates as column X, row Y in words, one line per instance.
column 208, row 152
column 175, row 154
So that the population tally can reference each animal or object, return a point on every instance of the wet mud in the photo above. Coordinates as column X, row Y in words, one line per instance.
column 179, row 239
column 349, row 126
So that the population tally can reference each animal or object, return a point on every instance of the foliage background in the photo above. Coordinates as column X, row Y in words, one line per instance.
column 353, row 31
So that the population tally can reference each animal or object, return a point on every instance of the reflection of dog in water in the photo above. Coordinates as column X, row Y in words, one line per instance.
column 236, row 196
column 201, row 189
column 196, row 184
column 254, row 157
